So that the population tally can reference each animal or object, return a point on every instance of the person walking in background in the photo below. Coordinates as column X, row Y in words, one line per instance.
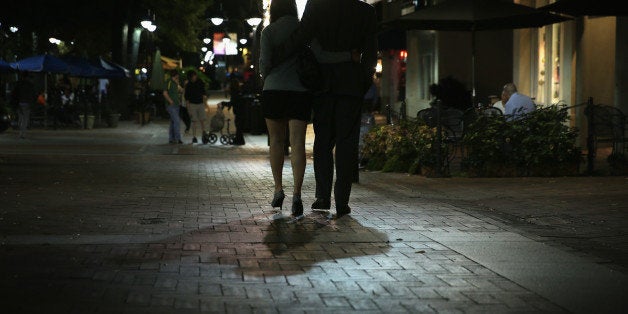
column 24, row 96
column 338, row 26
column 516, row 105
column 286, row 105
column 172, row 95
column 196, row 97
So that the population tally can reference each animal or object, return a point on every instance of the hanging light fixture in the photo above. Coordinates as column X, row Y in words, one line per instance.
column 255, row 16
column 218, row 18
column 147, row 21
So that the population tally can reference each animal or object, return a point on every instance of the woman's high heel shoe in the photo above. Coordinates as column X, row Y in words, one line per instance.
column 278, row 199
column 297, row 206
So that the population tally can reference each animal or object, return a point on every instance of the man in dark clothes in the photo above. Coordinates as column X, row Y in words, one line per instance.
column 24, row 96
column 196, row 97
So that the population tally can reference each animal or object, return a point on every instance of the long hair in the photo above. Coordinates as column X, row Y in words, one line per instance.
column 279, row 8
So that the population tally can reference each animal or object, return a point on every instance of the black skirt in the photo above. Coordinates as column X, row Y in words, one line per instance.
column 280, row 104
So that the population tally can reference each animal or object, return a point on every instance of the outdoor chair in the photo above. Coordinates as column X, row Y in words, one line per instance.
column 491, row 112
column 607, row 124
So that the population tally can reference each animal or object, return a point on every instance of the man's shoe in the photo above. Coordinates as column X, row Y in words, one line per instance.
column 321, row 204
column 342, row 211
column 179, row 142
column 297, row 206
column 194, row 140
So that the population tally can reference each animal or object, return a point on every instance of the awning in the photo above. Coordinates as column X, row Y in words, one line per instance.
column 170, row 64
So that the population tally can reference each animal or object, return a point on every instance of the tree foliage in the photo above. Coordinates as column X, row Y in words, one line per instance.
column 96, row 27
column 180, row 24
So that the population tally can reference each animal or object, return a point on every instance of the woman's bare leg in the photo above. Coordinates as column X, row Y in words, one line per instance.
column 277, row 139
column 297, row 131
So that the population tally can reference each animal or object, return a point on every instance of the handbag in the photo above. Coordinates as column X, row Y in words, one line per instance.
column 309, row 70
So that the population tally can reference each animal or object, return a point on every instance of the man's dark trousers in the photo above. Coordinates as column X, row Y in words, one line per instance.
column 336, row 124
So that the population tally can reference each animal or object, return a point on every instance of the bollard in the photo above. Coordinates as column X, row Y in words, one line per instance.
column 439, row 140
column 589, row 112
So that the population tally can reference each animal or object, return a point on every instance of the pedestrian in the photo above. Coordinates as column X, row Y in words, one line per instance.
column 185, row 116
column 516, row 105
column 183, row 109
column 172, row 95
column 337, row 111
column 237, row 103
column 286, row 105
column 196, row 97
column 24, row 96
column 103, row 89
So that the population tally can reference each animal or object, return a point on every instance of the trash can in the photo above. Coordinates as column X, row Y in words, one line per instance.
column 258, row 124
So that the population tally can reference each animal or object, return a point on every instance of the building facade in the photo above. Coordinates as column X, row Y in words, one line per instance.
column 565, row 63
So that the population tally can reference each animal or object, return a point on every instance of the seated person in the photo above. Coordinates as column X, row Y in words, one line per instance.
column 516, row 104
column 67, row 96
column 66, row 111
column 495, row 101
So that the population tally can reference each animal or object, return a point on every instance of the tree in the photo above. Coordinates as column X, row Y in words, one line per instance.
column 96, row 27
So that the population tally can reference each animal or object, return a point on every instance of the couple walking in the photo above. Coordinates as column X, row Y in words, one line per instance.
column 342, row 34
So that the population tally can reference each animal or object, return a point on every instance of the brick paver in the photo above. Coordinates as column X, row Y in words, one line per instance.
column 117, row 221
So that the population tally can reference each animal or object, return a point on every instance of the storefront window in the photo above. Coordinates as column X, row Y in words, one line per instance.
column 542, row 67
column 555, row 86
column 549, row 59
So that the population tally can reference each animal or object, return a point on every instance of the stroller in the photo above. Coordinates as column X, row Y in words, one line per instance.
column 216, row 124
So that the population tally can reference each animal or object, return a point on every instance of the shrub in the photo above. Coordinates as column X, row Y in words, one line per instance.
column 539, row 144
column 403, row 147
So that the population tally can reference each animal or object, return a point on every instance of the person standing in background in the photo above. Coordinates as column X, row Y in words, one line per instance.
column 103, row 89
column 24, row 96
column 196, row 97
column 172, row 95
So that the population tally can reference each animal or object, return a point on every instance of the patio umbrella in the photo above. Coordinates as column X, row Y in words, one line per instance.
column 81, row 67
column 41, row 63
column 157, row 73
column 588, row 7
column 113, row 70
column 472, row 16
column 5, row 66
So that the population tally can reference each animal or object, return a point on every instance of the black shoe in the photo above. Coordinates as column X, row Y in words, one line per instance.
column 321, row 204
column 297, row 206
column 179, row 142
column 342, row 211
column 194, row 140
column 278, row 199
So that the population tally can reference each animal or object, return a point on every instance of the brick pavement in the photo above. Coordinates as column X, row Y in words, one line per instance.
column 116, row 221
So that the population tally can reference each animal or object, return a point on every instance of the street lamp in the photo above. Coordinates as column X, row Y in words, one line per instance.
column 148, row 23
column 254, row 21
column 217, row 20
